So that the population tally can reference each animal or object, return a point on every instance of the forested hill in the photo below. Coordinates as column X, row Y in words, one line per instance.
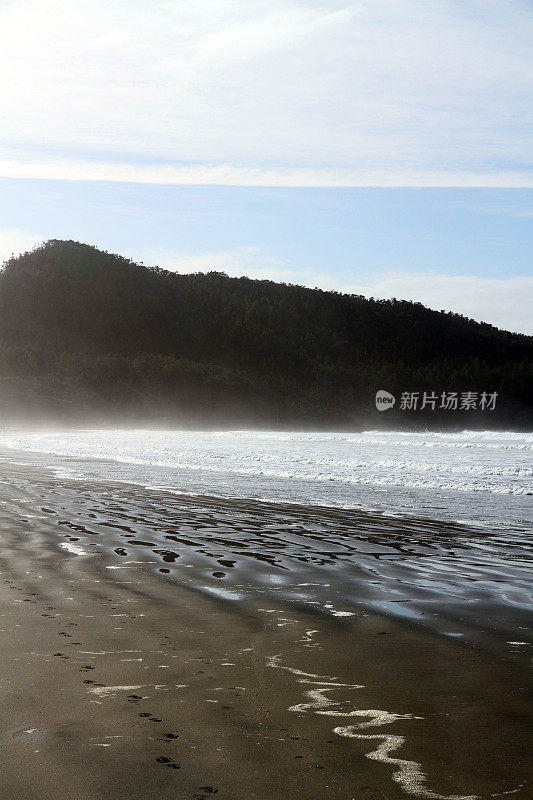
column 87, row 334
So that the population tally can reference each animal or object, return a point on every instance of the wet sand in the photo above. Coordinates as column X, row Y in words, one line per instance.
column 120, row 680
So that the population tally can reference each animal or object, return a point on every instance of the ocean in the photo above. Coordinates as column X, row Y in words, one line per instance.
column 482, row 478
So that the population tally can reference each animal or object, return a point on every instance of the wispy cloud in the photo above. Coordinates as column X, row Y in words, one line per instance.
column 251, row 261
column 14, row 242
column 274, row 92
column 504, row 302
column 228, row 175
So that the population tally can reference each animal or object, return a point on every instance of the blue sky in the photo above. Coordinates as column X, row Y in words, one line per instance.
column 467, row 250
column 379, row 146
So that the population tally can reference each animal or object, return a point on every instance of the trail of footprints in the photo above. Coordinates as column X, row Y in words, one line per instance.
column 203, row 792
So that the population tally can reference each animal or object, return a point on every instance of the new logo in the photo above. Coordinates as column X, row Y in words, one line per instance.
column 384, row 400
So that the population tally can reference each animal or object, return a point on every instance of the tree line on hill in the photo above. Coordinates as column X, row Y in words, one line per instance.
column 86, row 335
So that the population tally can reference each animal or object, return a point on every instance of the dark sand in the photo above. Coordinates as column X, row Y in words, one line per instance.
column 123, row 683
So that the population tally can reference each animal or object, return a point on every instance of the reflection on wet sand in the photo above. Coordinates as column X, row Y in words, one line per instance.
column 456, row 579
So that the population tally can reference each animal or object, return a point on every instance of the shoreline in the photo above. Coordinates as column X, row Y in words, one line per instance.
column 256, row 691
column 319, row 557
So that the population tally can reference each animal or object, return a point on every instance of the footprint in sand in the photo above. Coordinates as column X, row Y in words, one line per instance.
column 206, row 792
column 168, row 762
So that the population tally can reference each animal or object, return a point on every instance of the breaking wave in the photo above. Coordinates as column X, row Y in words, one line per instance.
column 419, row 471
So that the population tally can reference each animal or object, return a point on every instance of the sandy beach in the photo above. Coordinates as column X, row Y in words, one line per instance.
column 120, row 679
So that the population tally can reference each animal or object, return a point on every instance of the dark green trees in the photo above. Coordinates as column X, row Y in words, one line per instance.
column 85, row 333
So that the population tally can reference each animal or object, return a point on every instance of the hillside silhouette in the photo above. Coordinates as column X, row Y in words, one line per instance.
column 88, row 335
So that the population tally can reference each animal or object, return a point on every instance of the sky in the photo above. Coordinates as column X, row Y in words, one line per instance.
column 381, row 147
